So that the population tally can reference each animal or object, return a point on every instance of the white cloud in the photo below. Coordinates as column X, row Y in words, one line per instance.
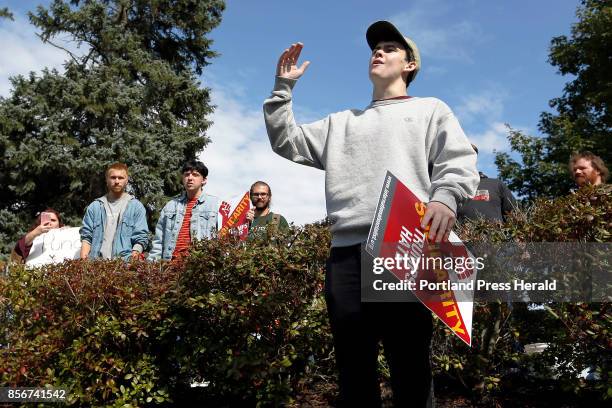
column 22, row 51
column 425, row 23
column 493, row 138
column 486, row 105
column 240, row 154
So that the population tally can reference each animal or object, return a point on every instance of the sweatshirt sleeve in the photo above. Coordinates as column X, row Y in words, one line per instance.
column 304, row 144
column 22, row 249
column 454, row 177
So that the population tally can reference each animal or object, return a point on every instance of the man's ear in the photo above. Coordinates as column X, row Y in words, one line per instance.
column 410, row 66
column 204, row 181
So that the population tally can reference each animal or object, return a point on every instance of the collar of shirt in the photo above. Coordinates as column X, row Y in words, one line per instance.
column 390, row 99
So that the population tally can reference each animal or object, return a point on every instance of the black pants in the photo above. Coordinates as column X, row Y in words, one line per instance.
column 405, row 330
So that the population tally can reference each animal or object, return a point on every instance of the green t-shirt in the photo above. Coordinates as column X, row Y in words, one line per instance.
column 260, row 224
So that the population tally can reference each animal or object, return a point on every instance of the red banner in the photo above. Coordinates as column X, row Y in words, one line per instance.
column 233, row 216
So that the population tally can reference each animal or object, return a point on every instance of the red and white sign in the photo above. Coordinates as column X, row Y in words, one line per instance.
column 232, row 216
column 481, row 195
column 396, row 231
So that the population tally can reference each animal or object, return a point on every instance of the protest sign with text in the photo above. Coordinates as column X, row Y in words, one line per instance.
column 233, row 214
column 432, row 272
column 55, row 246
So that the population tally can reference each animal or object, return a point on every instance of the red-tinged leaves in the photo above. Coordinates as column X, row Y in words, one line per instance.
column 117, row 333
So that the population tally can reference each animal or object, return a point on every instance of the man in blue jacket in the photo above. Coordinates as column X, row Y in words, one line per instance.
column 190, row 216
column 114, row 225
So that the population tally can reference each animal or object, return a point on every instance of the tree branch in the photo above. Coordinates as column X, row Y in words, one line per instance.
column 74, row 58
column 5, row 13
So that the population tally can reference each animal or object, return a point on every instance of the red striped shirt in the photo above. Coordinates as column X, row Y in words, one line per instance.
column 184, row 236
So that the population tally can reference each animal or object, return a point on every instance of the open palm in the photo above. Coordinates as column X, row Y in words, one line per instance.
column 287, row 63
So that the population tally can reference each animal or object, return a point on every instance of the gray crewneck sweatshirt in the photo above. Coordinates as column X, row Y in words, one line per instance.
column 418, row 139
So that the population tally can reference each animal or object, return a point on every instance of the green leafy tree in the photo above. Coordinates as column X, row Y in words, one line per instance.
column 6, row 13
column 582, row 121
column 129, row 94
column 535, row 175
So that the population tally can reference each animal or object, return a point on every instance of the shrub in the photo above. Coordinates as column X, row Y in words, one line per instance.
column 243, row 316
column 88, row 327
column 577, row 334
column 246, row 318
column 249, row 320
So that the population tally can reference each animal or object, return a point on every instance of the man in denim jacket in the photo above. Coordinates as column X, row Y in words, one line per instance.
column 192, row 215
column 114, row 225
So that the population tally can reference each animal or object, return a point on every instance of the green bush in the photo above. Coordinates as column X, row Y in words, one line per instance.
column 582, row 342
column 89, row 327
column 578, row 335
column 246, row 318
column 243, row 316
column 249, row 320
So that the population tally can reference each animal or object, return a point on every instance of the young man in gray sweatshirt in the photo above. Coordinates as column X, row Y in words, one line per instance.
column 421, row 142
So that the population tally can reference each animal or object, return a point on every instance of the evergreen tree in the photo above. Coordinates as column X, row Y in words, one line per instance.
column 130, row 94
column 582, row 121
column 6, row 13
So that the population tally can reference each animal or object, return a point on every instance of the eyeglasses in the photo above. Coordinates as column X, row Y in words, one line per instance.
column 259, row 194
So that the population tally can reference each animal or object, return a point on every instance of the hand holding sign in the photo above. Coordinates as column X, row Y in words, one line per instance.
column 442, row 221
column 400, row 231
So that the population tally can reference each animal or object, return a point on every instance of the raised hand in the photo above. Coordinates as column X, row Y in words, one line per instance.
column 41, row 229
column 287, row 63
column 45, row 228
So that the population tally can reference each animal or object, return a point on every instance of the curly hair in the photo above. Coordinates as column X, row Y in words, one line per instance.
column 596, row 161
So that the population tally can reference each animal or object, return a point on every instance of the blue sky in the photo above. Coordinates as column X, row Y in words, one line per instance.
column 486, row 60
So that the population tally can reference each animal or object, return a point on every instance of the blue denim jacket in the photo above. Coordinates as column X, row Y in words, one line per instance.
column 133, row 229
column 203, row 223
